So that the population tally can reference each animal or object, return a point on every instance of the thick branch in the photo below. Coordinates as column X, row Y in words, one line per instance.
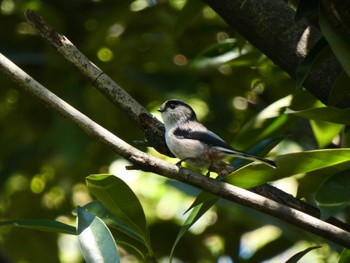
column 270, row 26
column 152, row 164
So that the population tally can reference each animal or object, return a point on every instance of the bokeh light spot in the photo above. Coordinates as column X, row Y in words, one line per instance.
column 105, row 54
column 7, row 7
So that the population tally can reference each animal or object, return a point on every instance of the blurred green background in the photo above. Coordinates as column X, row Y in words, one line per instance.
column 156, row 50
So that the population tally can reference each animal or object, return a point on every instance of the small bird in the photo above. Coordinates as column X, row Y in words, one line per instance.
column 192, row 142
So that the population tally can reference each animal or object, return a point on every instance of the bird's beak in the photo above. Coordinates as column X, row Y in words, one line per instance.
column 161, row 109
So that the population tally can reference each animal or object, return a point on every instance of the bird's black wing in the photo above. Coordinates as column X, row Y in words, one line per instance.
column 215, row 141
column 206, row 137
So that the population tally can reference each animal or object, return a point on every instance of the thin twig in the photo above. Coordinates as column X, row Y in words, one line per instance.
column 152, row 164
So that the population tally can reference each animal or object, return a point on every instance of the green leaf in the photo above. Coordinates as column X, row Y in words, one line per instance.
column 193, row 217
column 334, row 194
column 118, row 198
column 97, row 209
column 325, row 132
column 261, row 149
column 340, row 89
column 345, row 256
column 339, row 43
column 95, row 239
column 264, row 125
column 41, row 224
column 289, row 164
column 315, row 57
column 121, row 201
column 299, row 255
column 327, row 114
column 217, row 54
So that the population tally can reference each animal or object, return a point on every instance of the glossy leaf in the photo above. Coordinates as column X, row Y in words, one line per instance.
column 327, row 114
column 41, row 224
column 264, row 125
column 289, row 164
column 97, row 209
column 334, row 194
column 325, row 132
column 338, row 42
column 95, row 239
column 120, row 200
column 298, row 256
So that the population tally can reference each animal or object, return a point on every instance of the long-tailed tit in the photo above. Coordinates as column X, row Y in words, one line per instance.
column 192, row 142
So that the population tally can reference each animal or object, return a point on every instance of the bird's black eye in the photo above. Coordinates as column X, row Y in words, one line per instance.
column 172, row 106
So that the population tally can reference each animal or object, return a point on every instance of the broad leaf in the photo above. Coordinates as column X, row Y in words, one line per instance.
column 97, row 209
column 325, row 132
column 334, row 194
column 121, row 201
column 264, row 125
column 289, row 164
column 41, row 224
column 95, row 239
column 328, row 114
column 118, row 198
column 296, row 257
column 338, row 42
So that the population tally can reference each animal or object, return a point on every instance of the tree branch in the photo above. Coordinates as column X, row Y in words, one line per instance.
column 149, row 163
column 270, row 26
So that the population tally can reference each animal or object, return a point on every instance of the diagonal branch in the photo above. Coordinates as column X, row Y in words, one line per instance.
column 149, row 163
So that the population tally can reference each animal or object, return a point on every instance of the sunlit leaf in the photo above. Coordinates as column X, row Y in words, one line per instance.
column 338, row 42
column 196, row 213
column 217, row 54
column 327, row 114
column 298, row 256
column 325, row 132
column 264, row 125
column 96, row 241
column 121, row 201
column 289, row 164
column 118, row 198
column 97, row 209
column 334, row 194
column 41, row 224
